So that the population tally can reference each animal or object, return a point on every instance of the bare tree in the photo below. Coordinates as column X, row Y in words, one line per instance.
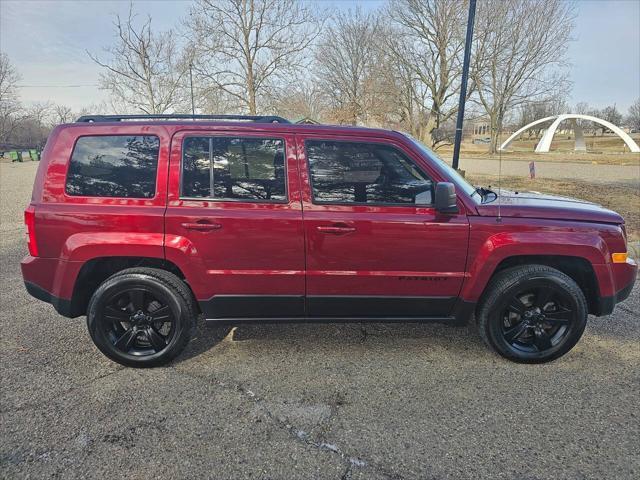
column 304, row 99
column 9, row 99
column 146, row 71
column 32, row 125
column 62, row 114
column 244, row 47
column 532, row 111
column 9, row 79
column 523, row 43
column 610, row 114
column 212, row 100
column 427, row 43
column 346, row 64
column 95, row 109
column 584, row 108
column 40, row 112
column 633, row 117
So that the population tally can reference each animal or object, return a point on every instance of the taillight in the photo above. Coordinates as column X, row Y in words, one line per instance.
column 30, row 222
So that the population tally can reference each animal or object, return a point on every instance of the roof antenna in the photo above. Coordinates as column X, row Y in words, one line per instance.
column 499, row 219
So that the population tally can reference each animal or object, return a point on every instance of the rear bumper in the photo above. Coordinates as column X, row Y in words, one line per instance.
column 62, row 305
column 51, row 280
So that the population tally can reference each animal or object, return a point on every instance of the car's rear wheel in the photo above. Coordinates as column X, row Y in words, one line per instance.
column 532, row 314
column 141, row 317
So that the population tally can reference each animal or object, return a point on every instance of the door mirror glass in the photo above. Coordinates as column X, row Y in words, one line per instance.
column 424, row 198
column 446, row 200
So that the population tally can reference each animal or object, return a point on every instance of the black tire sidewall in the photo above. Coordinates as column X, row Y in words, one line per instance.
column 173, row 300
column 491, row 316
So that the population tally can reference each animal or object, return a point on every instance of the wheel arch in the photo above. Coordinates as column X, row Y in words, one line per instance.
column 96, row 270
column 579, row 269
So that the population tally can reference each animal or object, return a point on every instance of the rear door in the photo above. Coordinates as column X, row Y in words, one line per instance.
column 234, row 220
column 376, row 247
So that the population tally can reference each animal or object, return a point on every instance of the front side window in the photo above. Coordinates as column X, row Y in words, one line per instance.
column 452, row 173
column 234, row 168
column 114, row 166
column 365, row 173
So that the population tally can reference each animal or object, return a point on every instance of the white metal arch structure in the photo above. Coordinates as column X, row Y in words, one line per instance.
column 545, row 141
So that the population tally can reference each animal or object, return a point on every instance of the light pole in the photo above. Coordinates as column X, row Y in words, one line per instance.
column 463, row 85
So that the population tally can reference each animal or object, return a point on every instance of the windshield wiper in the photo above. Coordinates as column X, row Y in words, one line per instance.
column 480, row 191
column 484, row 193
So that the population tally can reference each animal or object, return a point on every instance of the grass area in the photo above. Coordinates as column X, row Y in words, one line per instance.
column 622, row 198
column 609, row 150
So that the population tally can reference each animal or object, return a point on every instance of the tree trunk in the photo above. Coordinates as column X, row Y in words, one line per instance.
column 496, row 131
column 251, row 90
column 251, row 85
column 426, row 131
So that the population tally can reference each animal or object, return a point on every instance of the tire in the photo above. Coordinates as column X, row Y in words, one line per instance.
column 532, row 314
column 141, row 317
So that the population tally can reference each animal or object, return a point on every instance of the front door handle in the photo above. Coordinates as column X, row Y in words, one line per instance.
column 336, row 230
column 201, row 227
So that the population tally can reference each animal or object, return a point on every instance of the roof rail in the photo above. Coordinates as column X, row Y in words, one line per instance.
column 120, row 118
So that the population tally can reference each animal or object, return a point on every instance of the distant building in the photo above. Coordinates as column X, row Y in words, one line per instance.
column 480, row 130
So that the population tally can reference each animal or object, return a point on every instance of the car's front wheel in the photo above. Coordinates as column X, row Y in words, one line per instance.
column 141, row 317
column 532, row 313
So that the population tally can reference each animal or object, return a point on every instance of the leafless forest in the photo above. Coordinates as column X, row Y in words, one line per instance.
column 398, row 66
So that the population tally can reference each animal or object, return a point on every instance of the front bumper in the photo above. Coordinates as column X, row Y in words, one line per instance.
column 626, row 275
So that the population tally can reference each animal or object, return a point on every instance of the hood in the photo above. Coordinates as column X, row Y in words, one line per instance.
column 542, row 205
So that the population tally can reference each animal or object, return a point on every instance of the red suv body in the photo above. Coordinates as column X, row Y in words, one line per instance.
column 263, row 220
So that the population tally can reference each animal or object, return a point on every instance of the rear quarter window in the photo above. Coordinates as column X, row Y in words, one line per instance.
column 114, row 166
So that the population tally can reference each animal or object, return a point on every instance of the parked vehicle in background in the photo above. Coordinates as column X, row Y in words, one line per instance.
column 146, row 223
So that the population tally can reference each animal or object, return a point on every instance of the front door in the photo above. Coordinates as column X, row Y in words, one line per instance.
column 234, row 220
column 375, row 246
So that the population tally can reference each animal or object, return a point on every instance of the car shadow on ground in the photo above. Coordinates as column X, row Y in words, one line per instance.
column 323, row 335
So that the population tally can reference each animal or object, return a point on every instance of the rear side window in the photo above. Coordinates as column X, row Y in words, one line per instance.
column 234, row 168
column 365, row 173
column 114, row 166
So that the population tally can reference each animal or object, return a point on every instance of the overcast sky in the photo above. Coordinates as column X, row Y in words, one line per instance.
column 47, row 42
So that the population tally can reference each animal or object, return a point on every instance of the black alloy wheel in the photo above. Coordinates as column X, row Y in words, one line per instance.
column 532, row 313
column 537, row 319
column 137, row 322
column 141, row 317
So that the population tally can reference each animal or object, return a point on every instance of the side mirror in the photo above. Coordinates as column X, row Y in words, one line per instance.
column 446, row 198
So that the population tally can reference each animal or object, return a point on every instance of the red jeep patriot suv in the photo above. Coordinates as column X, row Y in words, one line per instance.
column 145, row 223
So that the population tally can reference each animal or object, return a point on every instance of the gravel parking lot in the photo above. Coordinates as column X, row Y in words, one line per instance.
column 352, row 401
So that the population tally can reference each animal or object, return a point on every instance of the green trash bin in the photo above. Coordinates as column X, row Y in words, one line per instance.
column 35, row 155
column 15, row 156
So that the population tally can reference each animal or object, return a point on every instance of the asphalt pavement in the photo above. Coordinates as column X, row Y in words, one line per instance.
column 345, row 401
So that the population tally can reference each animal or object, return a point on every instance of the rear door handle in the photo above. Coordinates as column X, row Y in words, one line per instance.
column 336, row 230
column 202, row 227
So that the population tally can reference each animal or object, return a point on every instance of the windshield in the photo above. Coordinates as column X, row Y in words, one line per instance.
column 451, row 172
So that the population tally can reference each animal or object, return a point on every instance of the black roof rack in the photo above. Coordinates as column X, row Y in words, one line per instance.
column 120, row 118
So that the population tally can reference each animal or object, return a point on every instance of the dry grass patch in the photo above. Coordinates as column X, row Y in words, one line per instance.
column 608, row 150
